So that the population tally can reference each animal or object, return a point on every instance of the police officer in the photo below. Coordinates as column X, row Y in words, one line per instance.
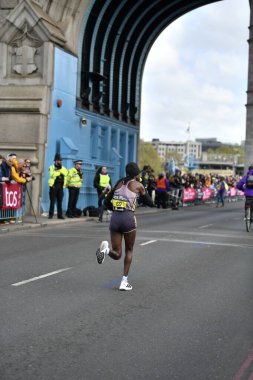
column 145, row 175
column 74, row 183
column 102, row 182
column 57, row 182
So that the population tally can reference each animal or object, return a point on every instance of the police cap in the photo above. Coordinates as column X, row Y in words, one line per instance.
column 78, row 162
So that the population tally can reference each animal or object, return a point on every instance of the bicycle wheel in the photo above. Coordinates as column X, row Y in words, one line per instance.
column 248, row 219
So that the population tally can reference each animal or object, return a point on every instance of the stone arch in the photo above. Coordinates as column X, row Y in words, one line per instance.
column 101, row 44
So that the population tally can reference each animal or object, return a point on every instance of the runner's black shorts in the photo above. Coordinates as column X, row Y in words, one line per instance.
column 123, row 222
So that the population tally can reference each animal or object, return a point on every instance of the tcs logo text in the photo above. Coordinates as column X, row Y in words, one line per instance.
column 11, row 198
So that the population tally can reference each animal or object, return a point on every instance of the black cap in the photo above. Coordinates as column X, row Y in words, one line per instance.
column 57, row 157
column 132, row 169
column 78, row 162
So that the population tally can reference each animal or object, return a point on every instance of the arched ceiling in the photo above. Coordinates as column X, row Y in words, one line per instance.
column 117, row 38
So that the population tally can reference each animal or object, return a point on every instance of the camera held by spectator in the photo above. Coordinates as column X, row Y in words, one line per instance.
column 25, row 170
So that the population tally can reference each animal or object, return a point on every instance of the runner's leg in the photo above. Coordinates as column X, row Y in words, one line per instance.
column 129, row 246
column 116, row 249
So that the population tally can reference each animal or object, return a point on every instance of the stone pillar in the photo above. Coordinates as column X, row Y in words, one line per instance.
column 27, row 41
column 249, row 118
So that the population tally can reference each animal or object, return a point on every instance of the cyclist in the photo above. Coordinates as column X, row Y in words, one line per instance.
column 246, row 184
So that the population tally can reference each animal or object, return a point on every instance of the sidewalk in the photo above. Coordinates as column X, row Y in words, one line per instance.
column 43, row 221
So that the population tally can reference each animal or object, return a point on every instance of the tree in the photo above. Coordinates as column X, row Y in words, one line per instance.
column 227, row 149
column 149, row 156
column 233, row 150
column 175, row 155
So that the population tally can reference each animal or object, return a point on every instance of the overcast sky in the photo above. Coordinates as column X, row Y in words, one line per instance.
column 196, row 75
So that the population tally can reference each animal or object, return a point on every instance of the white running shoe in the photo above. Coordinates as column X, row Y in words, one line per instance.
column 125, row 286
column 104, row 246
column 102, row 251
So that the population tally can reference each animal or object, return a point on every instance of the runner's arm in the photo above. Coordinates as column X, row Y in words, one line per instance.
column 145, row 197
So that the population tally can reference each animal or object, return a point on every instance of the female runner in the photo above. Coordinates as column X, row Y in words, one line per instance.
column 123, row 200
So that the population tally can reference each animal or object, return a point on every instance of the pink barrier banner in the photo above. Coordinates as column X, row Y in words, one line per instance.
column 207, row 193
column 233, row 191
column 11, row 196
column 189, row 195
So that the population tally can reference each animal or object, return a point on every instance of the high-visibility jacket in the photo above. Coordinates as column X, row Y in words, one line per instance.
column 74, row 179
column 54, row 173
column 161, row 183
column 104, row 180
column 225, row 185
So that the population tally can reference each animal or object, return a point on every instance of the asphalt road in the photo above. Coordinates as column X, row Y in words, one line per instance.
column 188, row 317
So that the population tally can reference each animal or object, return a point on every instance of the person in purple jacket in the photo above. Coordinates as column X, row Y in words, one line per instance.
column 246, row 184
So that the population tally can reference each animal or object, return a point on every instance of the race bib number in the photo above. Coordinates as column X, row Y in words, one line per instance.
column 119, row 203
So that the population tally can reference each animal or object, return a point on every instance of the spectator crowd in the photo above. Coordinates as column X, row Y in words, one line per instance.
column 14, row 170
column 161, row 188
column 165, row 189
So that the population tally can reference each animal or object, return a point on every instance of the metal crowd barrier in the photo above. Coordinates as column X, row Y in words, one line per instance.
column 190, row 196
column 12, row 202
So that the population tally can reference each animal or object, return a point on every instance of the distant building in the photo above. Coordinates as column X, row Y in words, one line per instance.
column 183, row 149
column 209, row 143
column 226, row 164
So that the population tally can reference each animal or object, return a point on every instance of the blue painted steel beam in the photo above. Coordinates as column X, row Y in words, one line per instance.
column 117, row 39
column 143, row 44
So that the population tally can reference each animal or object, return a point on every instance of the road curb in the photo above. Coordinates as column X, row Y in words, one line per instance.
column 26, row 225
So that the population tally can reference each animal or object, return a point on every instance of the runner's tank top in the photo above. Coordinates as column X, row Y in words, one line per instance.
column 124, row 199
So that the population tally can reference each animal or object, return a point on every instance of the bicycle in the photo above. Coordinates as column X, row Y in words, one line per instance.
column 248, row 214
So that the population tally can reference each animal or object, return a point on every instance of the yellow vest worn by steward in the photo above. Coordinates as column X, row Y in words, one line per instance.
column 226, row 185
column 74, row 179
column 54, row 173
column 104, row 180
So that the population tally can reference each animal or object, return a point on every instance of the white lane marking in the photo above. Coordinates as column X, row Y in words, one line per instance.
column 203, row 242
column 198, row 233
column 41, row 276
column 149, row 242
column 207, row 225
column 211, row 243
